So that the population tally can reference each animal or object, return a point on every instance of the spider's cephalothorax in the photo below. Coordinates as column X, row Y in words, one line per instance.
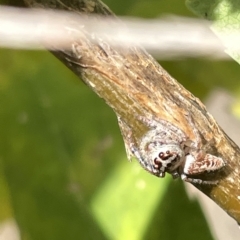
column 162, row 158
column 166, row 149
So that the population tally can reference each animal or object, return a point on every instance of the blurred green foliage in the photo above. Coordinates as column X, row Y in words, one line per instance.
column 63, row 168
column 225, row 16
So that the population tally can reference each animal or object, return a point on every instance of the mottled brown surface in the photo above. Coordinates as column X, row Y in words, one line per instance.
column 133, row 83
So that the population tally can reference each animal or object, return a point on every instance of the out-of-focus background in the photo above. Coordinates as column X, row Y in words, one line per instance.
column 63, row 168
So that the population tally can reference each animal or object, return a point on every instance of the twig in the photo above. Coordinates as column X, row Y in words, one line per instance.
column 134, row 84
column 27, row 28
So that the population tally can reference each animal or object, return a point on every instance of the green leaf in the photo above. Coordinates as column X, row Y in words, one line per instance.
column 226, row 21
column 125, row 204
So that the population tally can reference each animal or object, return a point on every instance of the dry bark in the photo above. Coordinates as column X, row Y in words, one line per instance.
column 133, row 83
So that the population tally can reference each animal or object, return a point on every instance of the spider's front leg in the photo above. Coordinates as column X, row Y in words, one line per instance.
column 128, row 139
column 200, row 162
column 130, row 144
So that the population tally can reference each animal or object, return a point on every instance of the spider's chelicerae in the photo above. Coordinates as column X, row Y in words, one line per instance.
column 166, row 149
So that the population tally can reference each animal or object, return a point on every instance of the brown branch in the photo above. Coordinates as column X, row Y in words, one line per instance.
column 133, row 83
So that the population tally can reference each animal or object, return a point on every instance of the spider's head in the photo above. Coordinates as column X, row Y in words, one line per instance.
column 165, row 158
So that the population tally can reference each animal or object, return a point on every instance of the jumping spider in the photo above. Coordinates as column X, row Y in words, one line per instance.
column 166, row 149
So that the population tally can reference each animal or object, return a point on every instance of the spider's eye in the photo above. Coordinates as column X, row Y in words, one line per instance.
column 161, row 154
column 168, row 152
column 169, row 165
column 157, row 163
